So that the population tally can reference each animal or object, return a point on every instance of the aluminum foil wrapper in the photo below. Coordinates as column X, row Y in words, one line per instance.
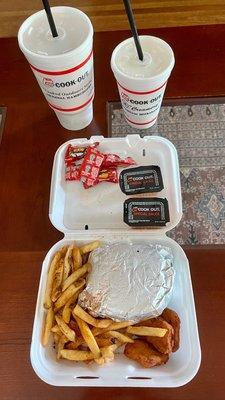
column 129, row 281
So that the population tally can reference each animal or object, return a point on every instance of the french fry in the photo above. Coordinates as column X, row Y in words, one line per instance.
column 47, row 326
column 66, row 314
column 56, row 338
column 120, row 325
column 65, row 329
column 82, row 314
column 88, row 337
column 99, row 331
column 100, row 361
column 68, row 293
column 67, row 309
column 56, row 329
column 75, row 276
column 67, row 262
column 146, row 331
column 89, row 247
column 120, row 336
column 108, row 352
column 77, row 355
column 51, row 272
column 103, row 342
column 57, row 281
column 77, row 258
column 74, row 345
column 62, row 341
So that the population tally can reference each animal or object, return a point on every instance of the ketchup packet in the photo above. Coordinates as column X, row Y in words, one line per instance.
column 108, row 175
column 105, row 175
column 72, row 173
column 91, row 166
column 75, row 153
column 113, row 160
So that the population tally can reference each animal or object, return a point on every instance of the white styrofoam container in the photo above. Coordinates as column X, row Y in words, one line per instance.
column 97, row 213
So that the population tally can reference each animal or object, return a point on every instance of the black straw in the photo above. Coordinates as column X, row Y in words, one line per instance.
column 133, row 28
column 50, row 18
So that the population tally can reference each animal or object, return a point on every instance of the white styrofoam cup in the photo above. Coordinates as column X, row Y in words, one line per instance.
column 141, row 97
column 66, row 78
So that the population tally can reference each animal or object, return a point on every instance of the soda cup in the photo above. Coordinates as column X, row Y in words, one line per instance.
column 142, row 84
column 63, row 66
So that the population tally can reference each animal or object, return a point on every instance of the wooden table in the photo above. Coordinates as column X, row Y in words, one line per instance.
column 30, row 139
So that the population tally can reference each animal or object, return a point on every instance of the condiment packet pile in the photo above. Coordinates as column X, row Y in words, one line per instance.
column 88, row 165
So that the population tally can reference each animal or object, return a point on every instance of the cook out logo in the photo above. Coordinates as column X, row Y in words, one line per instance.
column 125, row 97
column 48, row 82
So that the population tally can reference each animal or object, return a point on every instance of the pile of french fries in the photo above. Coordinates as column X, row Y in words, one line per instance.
column 78, row 336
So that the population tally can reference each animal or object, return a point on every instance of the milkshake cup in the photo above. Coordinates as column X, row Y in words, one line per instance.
column 63, row 66
column 142, row 84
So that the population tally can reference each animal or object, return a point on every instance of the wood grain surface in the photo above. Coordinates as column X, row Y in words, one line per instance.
column 20, row 272
column 110, row 16
column 30, row 139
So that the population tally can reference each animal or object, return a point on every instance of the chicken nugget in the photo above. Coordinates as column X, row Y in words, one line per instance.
column 144, row 354
column 173, row 319
column 162, row 344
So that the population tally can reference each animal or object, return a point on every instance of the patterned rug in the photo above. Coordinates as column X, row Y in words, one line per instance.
column 198, row 132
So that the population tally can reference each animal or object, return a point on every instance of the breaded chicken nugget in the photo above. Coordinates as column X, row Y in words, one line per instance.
column 162, row 344
column 172, row 318
column 144, row 354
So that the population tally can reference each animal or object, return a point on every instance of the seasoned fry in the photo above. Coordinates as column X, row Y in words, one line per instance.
column 67, row 309
column 66, row 314
column 108, row 352
column 89, row 247
column 68, row 293
column 146, row 331
column 77, row 258
column 51, row 272
column 62, row 341
column 56, row 329
column 77, row 355
column 75, row 276
column 66, row 330
column 103, row 342
column 47, row 326
column 88, row 337
column 56, row 338
column 120, row 336
column 99, row 331
column 120, row 325
column 67, row 262
column 57, row 281
column 82, row 314
column 100, row 361
column 74, row 345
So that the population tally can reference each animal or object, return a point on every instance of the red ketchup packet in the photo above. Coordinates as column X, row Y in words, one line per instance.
column 113, row 160
column 72, row 173
column 105, row 175
column 108, row 175
column 91, row 166
column 75, row 153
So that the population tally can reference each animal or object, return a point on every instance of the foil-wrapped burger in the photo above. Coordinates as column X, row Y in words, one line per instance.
column 129, row 281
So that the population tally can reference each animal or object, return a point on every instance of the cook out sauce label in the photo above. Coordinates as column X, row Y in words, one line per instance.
column 146, row 211
column 141, row 108
column 68, row 90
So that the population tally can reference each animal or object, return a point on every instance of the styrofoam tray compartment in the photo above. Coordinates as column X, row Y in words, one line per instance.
column 72, row 210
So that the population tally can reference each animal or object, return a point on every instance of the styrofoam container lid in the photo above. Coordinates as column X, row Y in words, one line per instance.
column 73, row 208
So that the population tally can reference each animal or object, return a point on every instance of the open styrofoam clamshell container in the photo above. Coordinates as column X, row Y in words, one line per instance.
column 97, row 214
